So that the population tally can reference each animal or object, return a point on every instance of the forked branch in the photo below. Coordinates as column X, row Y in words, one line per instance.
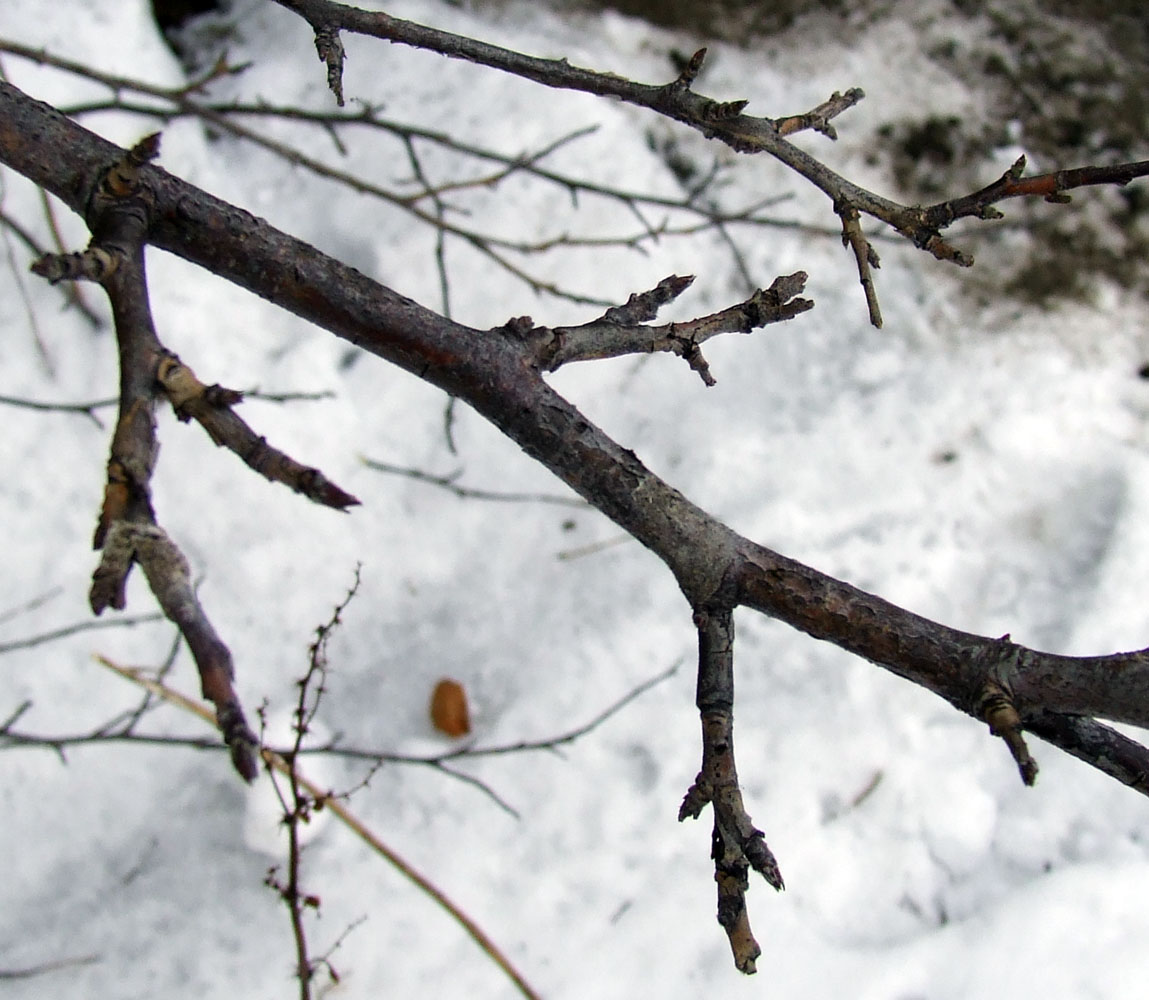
column 119, row 213
column 622, row 330
column 737, row 846
column 727, row 122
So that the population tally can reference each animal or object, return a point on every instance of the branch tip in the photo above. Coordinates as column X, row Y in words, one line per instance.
column 96, row 263
column 329, row 47
column 819, row 118
column 736, row 844
column 996, row 707
column 642, row 307
column 123, row 179
column 691, row 70
column 241, row 742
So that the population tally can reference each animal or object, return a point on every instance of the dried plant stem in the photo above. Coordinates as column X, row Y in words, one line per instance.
column 324, row 798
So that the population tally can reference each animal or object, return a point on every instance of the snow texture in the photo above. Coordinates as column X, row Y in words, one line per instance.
column 982, row 465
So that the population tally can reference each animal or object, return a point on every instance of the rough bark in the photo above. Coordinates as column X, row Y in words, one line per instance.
column 497, row 373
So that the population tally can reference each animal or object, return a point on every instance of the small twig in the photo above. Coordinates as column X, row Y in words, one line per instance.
column 29, row 310
column 287, row 397
column 435, row 194
column 325, row 958
column 116, row 731
column 30, row 605
column 819, row 118
column 74, row 293
column 212, row 408
column 336, row 808
column 88, row 409
column 14, row 716
column 865, row 256
column 622, row 330
column 85, row 409
column 440, row 267
column 449, row 425
column 9, row 975
column 736, row 844
column 1111, row 752
column 468, row 493
column 571, row 735
column 126, row 723
column 477, row 783
column 592, row 548
column 996, row 706
column 1013, row 184
column 31, row 642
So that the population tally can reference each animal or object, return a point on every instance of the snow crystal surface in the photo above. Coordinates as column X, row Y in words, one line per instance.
column 982, row 465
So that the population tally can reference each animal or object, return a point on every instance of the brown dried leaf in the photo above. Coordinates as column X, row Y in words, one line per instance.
column 449, row 713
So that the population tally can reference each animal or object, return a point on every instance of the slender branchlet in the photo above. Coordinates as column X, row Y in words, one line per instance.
column 737, row 846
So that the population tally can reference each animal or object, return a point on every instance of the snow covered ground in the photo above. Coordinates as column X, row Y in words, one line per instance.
column 985, row 466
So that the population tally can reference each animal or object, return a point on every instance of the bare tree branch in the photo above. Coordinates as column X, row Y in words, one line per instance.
column 726, row 122
column 62, row 633
column 185, row 102
column 736, row 844
column 621, row 329
column 450, row 483
column 127, row 202
column 323, row 798
column 492, row 372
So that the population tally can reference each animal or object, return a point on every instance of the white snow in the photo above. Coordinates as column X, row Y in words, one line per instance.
column 917, row 866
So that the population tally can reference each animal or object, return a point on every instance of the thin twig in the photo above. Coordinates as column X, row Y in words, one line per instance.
column 30, row 605
column 88, row 408
column 84, row 409
column 117, row 732
column 274, row 760
column 31, row 642
column 449, row 483
column 9, row 975
column 727, row 122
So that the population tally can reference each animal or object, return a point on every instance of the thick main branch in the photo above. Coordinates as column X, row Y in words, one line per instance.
column 494, row 374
